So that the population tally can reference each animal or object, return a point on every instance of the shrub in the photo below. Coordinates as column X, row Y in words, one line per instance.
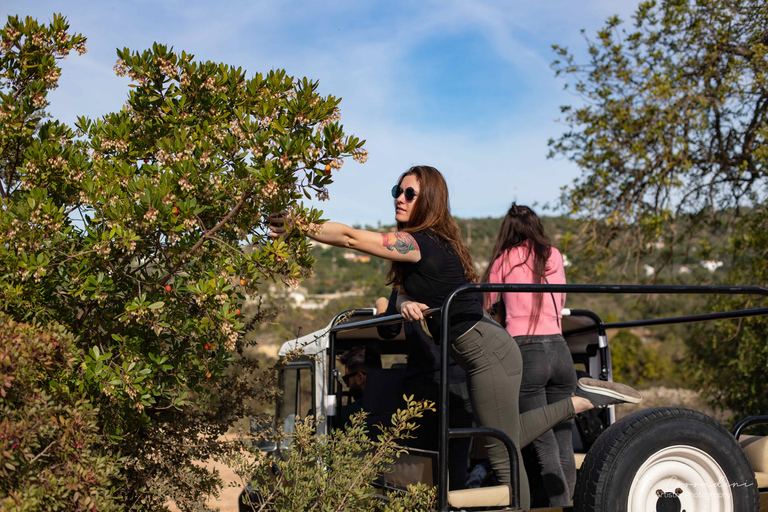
column 50, row 449
column 636, row 363
column 334, row 472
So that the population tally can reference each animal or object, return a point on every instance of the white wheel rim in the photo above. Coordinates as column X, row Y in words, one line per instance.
column 704, row 484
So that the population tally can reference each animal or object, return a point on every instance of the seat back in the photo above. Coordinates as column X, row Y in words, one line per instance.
column 414, row 466
column 756, row 448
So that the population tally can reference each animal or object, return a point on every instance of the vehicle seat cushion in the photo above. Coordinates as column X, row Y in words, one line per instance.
column 756, row 448
column 485, row 497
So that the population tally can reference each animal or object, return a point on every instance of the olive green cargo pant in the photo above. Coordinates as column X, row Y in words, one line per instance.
column 494, row 367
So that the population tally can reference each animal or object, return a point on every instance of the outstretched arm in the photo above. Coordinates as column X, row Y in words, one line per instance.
column 398, row 246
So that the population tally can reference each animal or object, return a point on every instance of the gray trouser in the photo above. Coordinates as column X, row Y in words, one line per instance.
column 494, row 367
column 548, row 377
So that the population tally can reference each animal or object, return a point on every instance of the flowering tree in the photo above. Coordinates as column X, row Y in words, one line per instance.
column 144, row 231
column 671, row 132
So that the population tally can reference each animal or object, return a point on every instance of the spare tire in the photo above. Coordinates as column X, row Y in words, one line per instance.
column 666, row 460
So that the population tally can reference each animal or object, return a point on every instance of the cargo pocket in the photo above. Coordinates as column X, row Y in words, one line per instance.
column 511, row 362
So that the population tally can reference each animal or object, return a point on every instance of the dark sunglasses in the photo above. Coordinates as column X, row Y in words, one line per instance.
column 410, row 194
column 348, row 376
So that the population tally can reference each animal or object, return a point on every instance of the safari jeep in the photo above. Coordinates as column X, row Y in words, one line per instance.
column 657, row 459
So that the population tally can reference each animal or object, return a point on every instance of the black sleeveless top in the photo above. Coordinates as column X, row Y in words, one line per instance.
column 434, row 277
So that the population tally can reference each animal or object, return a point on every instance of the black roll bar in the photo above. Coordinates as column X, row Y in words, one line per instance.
column 741, row 313
column 748, row 422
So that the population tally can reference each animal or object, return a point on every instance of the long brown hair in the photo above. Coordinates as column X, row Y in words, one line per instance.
column 520, row 225
column 432, row 211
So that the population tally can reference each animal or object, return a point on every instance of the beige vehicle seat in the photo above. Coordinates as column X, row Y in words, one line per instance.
column 486, row 497
column 756, row 448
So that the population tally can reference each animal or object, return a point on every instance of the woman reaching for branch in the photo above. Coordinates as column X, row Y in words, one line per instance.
column 429, row 261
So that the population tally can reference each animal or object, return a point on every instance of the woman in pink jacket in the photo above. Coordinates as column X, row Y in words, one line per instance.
column 524, row 254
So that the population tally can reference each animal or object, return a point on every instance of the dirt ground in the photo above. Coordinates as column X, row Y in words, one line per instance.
column 227, row 500
column 668, row 397
column 652, row 397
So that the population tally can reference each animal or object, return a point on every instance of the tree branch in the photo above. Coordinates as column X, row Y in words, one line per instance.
column 42, row 452
column 206, row 236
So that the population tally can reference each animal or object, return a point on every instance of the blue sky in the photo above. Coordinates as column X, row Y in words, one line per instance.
column 465, row 86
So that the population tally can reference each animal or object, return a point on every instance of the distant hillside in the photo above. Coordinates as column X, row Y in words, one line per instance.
column 341, row 270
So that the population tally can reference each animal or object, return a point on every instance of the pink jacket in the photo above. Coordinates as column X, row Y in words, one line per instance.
column 512, row 267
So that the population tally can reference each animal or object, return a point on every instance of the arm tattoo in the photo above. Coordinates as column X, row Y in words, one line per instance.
column 400, row 242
